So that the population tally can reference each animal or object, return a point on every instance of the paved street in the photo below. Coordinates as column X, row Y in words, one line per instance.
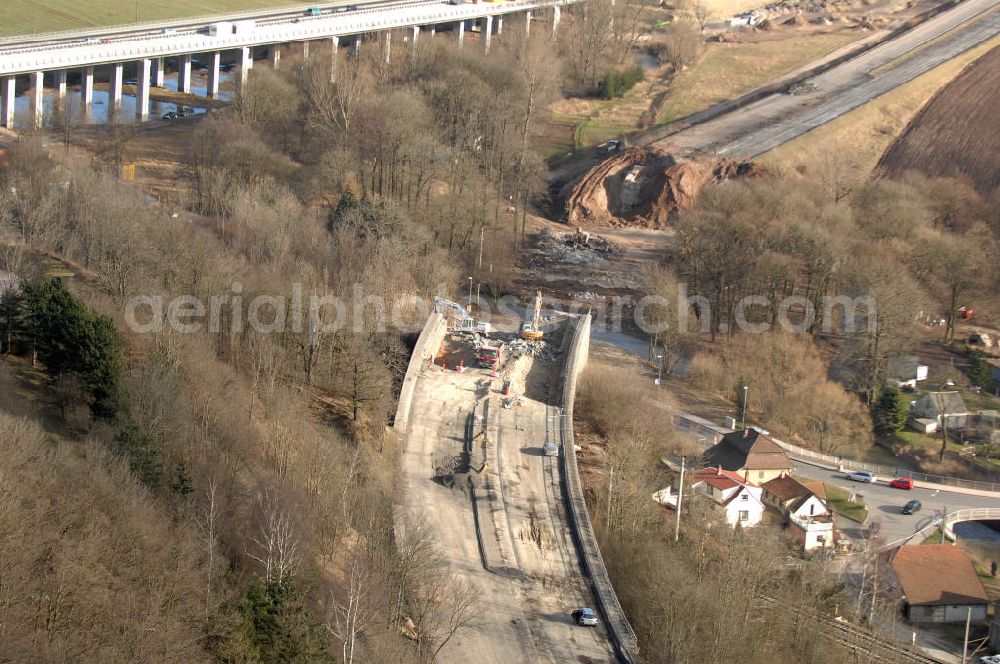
column 777, row 119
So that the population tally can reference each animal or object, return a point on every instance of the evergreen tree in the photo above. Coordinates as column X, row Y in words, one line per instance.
column 980, row 371
column 890, row 410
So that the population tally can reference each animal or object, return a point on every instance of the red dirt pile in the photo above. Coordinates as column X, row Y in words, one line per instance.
column 646, row 187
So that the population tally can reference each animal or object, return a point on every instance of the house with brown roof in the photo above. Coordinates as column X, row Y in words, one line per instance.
column 730, row 495
column 802, row 509
column 750, row 454
column 939, row 584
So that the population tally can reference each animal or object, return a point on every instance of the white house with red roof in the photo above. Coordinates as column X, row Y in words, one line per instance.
column 738, row 499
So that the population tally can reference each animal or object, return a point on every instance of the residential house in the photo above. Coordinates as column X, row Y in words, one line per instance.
column 750, row 454
column 929, row 410
column 802, row 508
column 906, row 371
column 939, row 584
column 730, row 494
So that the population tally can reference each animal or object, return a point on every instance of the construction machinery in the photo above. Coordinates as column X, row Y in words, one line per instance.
column 463, row 321
column 489, row 356
column 531, row 330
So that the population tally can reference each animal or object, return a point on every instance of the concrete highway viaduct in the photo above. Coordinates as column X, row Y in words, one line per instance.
column 48, row 59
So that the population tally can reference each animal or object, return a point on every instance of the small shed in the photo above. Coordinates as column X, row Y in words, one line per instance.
column 940, row 584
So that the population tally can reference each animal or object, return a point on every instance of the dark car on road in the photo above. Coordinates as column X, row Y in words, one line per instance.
column 912, row 507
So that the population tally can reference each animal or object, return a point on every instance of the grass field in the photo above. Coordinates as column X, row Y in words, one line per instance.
column 860, row 137
column 33, row 16
column 839, row 501
column 729, row 69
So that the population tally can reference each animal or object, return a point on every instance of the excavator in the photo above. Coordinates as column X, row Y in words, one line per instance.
column 464, row 322
column 530, row 330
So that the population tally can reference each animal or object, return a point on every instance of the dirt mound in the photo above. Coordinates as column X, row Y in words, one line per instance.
column 955, row 133
column 646, row 187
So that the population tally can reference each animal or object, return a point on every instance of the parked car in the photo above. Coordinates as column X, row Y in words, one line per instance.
column 912, row 507
column 902, row 483
column 586, row 617
column 861, row 476
column 550, row 448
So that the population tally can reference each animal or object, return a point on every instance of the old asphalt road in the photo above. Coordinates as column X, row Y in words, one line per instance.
column 525, row 610
column 779, row 118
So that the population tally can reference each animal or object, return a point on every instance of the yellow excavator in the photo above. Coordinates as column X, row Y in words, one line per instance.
column 531, row 330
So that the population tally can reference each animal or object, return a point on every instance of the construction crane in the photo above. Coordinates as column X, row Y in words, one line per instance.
column 531, row 330
column 464, row 322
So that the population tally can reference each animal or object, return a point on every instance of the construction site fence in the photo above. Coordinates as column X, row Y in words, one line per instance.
column 621, row 633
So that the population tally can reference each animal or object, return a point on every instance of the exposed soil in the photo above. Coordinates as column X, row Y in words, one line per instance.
column 955, row 134
column 646, row 187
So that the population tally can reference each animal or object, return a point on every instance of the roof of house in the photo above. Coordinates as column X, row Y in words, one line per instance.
column 719, row 478
column 747, row 449
column 949, row 403
column 935, row 574
column 903, row 367
column 785, row 488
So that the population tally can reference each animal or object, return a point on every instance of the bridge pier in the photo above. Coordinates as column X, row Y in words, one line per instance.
column 87, row 90
column 527, row 23
column 214, row 63
column 246, row 63
column 7, row 101
column 334, row 53
column 37, row 92
column 158, row 72
column 142, row 91
column 498, row 20
column 61, row 85
column 486, row 32
column 184, row 74
column 274, row 55
column 355, row 49
column 115, row 88
column 386, row 45
column 431, row 31
column 460, row 32
column 555, row 18
column 414, row 35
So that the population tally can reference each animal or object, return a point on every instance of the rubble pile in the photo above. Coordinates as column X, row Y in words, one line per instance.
column 514, row 346
column 617, row 193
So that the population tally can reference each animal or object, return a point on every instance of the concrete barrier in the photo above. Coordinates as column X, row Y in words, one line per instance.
column 426, row 348
column 619, row 629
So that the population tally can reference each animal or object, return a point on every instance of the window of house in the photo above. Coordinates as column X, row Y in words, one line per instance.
column 744, row 497
column 744, row 515
column 760, row 474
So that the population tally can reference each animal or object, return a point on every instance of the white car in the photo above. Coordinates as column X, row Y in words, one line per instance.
column 861, row 476
column 989, row 659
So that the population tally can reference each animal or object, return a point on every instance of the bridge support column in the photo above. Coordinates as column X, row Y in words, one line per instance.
column 431, row 30
column 499, row 22
column 184, row 74
column 486, row 32
column 274, row 55
column 115, row 89
column 37, row 94
column 142, row 91
column 460, row 32
column 7, row 101
column 214, row 63
column 414, row 35
column 386, row 45
column 555, row 18
column 527, row 23
column 61, row 85
column 355, row 47
column 158, row 72
column 334, row 54
column 246, row 63
column 305, row 50
column 87, row 90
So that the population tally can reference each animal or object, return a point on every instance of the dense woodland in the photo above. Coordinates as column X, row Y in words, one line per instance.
column 226, row 496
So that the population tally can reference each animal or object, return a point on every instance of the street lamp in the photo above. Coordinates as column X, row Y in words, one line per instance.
column 659, row 369
column 470, row 293
column 743, row 421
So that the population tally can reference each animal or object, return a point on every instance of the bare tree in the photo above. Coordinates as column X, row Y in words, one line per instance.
column 351, row 611
column 276, row 545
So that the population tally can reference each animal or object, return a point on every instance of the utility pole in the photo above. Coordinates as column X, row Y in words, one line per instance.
column 479, row 267
column 743, row 421
column 965, row 644
column 680, row 494
column 469, row 306
column 944, row 521
column 659, row 369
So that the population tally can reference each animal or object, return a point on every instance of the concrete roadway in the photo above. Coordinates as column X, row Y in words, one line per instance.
column 523, row 619
column 777, row 119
